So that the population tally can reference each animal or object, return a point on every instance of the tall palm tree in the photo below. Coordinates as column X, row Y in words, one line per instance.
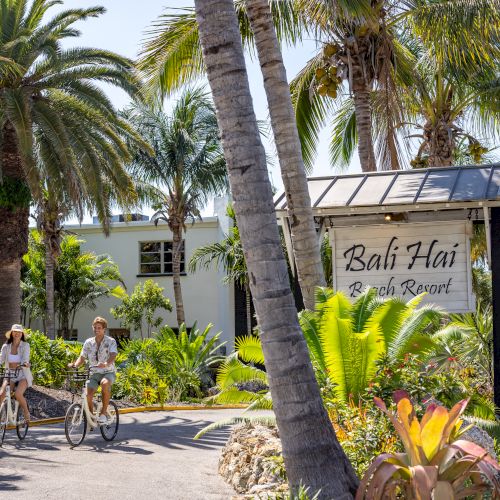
column 257, row 24
column 228, row 254
column 312, row 453
column 367, row 46
column 49, row 91
column 448, row 112
column 187, row 167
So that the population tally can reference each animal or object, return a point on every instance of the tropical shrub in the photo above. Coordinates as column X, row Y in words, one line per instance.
column 49, row 358
column 141, row 306
column 167, row 367
column 435, row 463
column 346, row 340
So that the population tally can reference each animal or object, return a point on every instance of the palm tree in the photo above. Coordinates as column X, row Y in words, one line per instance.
column 303, row 231
column 369, row 45
column 312, row 453
column 49, row 92
column 448, row 111
column 228, row 254
column 187, row 167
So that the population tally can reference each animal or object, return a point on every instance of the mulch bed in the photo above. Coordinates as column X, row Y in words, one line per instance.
column 45, row 402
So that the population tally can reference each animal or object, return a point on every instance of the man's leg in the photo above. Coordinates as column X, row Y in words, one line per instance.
column 90, row 398
column 106, row 394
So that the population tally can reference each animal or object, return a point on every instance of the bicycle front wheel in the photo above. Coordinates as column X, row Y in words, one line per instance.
column 3, row 421
column 110, row 428
column 75, row 424
column 21, row 424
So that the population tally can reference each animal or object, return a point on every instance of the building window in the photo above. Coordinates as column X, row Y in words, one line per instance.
column 156, row 257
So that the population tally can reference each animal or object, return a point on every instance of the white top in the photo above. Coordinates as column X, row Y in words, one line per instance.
column 14, row 358
column 99, row 354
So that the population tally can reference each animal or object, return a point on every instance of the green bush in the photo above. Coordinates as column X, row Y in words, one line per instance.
column 49, row 358
column 167, row 367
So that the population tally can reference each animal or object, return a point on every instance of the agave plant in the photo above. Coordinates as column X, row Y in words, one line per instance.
column 436, row 464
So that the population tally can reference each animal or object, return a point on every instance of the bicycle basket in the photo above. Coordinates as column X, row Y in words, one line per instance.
column 75, row 380
column 9, row 373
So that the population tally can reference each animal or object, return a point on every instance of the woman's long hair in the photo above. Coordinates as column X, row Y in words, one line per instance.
column 11, row 338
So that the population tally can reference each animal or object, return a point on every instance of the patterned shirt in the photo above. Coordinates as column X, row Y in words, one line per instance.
column 95, row 355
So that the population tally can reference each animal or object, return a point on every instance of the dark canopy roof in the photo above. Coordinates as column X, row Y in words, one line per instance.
column 406, row 189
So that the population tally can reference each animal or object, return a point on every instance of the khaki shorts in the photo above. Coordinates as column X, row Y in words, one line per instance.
column 96, row 378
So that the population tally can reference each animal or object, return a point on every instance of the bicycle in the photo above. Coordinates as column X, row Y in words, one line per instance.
column 79, row 419
column 9, row 416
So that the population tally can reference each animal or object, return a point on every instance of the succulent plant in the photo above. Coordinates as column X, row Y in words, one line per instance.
column 436, row 464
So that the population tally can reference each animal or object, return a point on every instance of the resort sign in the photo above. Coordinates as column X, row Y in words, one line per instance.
column 406, row 260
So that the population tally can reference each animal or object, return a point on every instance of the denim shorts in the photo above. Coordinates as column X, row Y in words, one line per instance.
column 95, row 379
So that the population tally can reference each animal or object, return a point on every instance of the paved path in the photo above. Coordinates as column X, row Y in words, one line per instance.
column 153, row 457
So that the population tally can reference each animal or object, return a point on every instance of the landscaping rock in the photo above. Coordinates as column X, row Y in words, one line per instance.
column 480, row 437
column 246, row 462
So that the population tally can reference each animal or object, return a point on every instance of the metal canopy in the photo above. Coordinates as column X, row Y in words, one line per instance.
column 450, row 187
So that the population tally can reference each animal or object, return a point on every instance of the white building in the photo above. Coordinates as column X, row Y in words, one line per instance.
column 134, row 245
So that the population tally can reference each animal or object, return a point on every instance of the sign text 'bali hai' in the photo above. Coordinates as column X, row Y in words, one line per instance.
column 406, row 260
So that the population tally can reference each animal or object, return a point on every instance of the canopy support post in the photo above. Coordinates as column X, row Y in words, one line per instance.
column 486, row 211
column 495, row 278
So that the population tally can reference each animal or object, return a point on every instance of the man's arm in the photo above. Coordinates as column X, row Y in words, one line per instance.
column 80, row 361
column 111, row 360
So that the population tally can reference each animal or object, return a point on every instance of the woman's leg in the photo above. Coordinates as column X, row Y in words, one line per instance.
column 2, row 391
column 21, row 387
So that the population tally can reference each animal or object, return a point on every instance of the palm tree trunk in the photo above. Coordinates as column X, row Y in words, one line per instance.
column 440, row 144
column 13, row 233
column 49, row 291
column 303, row 231
column 311, row 451
column 176, row 271
column 362, row 110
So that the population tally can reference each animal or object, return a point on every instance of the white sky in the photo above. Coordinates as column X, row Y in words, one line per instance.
column 123, row 26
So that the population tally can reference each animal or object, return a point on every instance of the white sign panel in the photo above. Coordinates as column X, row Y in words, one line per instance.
column 405, row 260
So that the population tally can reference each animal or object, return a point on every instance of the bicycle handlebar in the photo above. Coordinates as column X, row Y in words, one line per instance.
column 9, row 373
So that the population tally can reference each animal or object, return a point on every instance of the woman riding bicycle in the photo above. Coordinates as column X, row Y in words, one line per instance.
column 15, row 353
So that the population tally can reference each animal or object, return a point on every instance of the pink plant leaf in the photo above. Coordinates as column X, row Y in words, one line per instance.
column 397, row 396
column 377, row 487
column 469, row 448
column 424, row 479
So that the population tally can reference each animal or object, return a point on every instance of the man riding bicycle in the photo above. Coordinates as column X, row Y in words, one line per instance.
column 100, row 352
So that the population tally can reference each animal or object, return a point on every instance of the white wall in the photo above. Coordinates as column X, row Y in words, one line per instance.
column 206, row 299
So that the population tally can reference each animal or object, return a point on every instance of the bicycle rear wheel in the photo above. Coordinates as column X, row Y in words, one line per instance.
column 21, row 424
column 110, row 429
column 75, row 424
column 3, row 421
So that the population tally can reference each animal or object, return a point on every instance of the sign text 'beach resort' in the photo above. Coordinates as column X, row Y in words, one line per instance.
column 406, row 260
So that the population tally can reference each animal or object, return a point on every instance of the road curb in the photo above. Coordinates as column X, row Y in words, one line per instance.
column 140, row 409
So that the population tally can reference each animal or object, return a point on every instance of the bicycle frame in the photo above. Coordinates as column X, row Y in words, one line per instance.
column 91, row 417
column 11, row 415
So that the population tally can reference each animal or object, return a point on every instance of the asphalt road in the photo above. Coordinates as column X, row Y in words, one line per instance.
column 152, row 457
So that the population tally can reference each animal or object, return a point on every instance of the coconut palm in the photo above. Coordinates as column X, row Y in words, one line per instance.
column 312, row 453
column 259, row 26
column 368, row 47
column 49, row 92
column 448, row 112
column 187, row 167
column 228, row 254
